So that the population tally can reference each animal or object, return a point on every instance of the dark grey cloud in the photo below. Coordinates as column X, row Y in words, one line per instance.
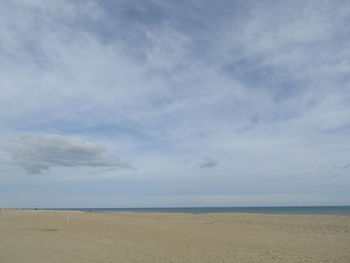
column 37, row 154
column 207, row 163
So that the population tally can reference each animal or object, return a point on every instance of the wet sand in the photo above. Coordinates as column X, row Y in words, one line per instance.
column 70, row 236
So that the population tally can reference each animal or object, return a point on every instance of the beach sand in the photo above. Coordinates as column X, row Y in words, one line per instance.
column 71, row 236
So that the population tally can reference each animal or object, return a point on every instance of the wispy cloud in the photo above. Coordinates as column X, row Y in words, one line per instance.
column 261, row 87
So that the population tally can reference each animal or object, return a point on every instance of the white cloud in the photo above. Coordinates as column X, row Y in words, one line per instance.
column 37, row 154
column 262, row 88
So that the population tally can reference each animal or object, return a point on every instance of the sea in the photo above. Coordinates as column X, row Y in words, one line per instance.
column 275, row 210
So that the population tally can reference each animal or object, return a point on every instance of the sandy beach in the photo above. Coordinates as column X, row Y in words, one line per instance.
column 70, row 236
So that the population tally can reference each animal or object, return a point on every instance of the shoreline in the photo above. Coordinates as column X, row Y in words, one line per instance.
column 174, row 213
column 276, row 210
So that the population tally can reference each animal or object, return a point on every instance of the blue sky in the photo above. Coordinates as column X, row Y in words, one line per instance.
column 174, row 103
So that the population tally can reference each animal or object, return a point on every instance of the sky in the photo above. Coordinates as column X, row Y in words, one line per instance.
column 164, row 103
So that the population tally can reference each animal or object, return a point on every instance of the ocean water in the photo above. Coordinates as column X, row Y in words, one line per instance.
column 282, row 210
